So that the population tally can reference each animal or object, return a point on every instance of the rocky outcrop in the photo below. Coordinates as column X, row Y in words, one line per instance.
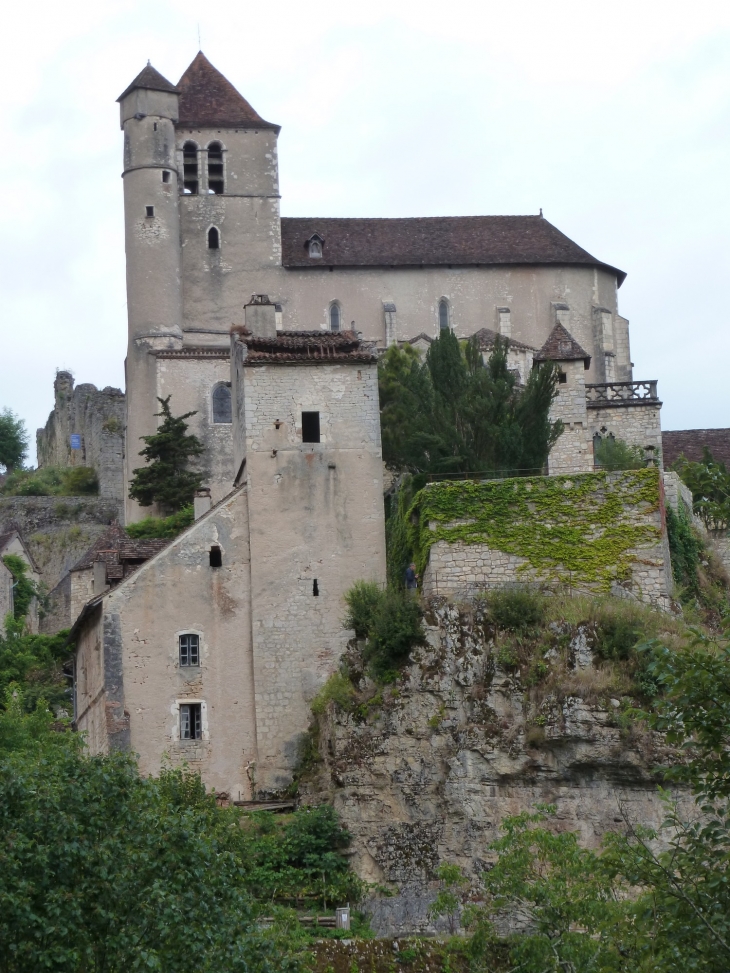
column 425, row 772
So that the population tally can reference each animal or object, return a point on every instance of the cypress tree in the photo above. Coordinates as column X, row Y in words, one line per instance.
column 166, row 479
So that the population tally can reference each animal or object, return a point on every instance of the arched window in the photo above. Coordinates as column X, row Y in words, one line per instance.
column 443, row 315
column 190, row 168
column 335, row 317
column 215, row 168
column 222, row 404
column 214, row 239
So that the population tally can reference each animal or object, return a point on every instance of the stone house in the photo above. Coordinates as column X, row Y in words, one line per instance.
column 212, row 650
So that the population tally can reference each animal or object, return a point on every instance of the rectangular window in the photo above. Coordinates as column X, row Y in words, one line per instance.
column 189, row 650
column 310, row 427
column 191, row 721
column 150, row 210
column 165, row 175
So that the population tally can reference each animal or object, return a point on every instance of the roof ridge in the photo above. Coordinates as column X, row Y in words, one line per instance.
column 555, row 348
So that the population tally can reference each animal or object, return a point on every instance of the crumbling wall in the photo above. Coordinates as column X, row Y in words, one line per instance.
column 98, row 417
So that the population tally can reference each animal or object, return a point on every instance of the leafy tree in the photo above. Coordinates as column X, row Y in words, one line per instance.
column 448, row 901
column 616, row 454
column 166, row 479
column 14, row 440
column 106, row 871
column 709, row 482
column 35, row 664
column 454, row 414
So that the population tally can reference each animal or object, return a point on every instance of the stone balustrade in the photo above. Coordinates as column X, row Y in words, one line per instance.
column 604, row 395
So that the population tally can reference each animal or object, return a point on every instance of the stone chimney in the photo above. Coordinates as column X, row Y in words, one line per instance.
column 261, row 316
column 100, row 582
column 201, row 502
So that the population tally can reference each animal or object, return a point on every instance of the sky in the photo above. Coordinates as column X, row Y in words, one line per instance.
column 614, row 118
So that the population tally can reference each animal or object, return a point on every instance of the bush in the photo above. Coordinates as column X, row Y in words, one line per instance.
column 162, row 527
column 516, row 609
column 25, row 589
column 52, row 481
column 362, row 602
column 395, row 630
column 615, row 454
column 337, row 689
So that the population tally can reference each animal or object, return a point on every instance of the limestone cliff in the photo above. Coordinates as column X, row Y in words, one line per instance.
column 424, row 771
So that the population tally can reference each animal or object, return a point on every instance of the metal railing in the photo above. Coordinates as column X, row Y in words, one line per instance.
column 608, row 394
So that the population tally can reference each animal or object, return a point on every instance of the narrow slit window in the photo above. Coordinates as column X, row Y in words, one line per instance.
column 335, row 317
column 189, row 650
column 165, row 175
column 191, row 721
column 310, row 427
column 315, row 588
column 215, row 169
column 149, row 211
column 443, row 316
column 190, row 168
column 216, row 557
column 222, row 404
column 562, row 378
column 214, row 239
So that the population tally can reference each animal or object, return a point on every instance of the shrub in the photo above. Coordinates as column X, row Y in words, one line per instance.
column 162, row 527
column 395, row 630
column 362, row 602
column 516, row 609
column 338, row 689
column 52, row 481
column 615, row 454
column 25, row 589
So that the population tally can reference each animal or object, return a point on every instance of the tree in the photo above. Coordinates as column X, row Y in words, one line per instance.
column 14, row 441
column 166, row 479
column 709, row 482
column 454, row 414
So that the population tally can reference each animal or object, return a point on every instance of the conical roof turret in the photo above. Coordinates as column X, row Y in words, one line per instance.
column 209, row 100
column 562, row 346
column 151, row 79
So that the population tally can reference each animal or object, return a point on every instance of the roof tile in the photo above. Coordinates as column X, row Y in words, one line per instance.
column 310, row 347
column 151, row 79
column 561, row 346
column 208, row 99
column 691, row 442
column 432, row 241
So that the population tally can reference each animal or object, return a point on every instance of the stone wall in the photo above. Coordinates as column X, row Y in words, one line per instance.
column 573, row 452
column 637, row 423
column 6, row 593
column 595, row 531
column 57, row 530
column 98, row 417
column 428, row 775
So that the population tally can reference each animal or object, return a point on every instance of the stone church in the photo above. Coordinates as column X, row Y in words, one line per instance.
column 270, row 328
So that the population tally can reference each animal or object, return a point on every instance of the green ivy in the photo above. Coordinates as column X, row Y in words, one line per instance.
column 685, row 548
column 565, row 527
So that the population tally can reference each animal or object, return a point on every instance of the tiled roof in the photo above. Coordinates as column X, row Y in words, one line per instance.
column 433, row 240
column 419, row 337
column 116, row 545
column 310, row 347
column 486, row 338
column 148, row 78
column 691, row 442
column 561, row 346
column 209, row 100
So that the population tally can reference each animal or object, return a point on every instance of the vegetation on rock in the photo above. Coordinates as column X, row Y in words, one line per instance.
column 390, row 621
column 454, row 414
column 52, row 481
column 166, row 479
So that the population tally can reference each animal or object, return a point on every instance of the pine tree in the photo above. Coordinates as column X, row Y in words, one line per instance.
column 166, row 480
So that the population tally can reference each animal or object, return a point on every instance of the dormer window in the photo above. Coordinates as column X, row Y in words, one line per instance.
column 315, row 246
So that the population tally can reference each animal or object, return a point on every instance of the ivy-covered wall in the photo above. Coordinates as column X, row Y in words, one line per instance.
column 589, row 530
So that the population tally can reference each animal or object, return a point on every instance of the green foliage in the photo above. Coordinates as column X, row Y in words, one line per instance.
column 448, row 901
column 104, row 870
column 397, row 543
column 34, row 662
column 52, row 481
column 25, row 590
column 166, row 479
column 618, row 633
column 362, row 601
column 338, row 689
column 685, row 548
column 568, row 529
column 14, row 440
column 24, row 729
column 615, row 454
column 709, row 481
column 390, row 619
column 454, row 414
column 163, row 526
column 516, row 609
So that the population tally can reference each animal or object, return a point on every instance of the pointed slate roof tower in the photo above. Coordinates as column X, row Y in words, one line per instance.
column 562, row 346
column 209, row 100
column 151, row 79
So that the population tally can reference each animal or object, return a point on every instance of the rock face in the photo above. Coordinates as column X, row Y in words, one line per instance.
column 427, row 776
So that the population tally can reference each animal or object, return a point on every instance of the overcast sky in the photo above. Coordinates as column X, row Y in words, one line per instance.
column 614, row 118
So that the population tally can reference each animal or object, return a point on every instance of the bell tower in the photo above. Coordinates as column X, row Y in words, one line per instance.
column 149, row 110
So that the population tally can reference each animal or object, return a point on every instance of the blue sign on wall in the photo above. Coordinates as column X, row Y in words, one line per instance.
column 75, row 441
